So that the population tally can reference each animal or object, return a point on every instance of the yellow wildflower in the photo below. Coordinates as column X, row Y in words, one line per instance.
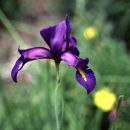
column 104, row 99
column 90, row 32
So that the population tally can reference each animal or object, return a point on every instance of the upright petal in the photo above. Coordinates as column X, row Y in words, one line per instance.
column 59, row 36
column 69, row 58
column 73, row 46
column 74, row 51
column 72, row 42
column 68, row 27
column 70, row 45
column 29, row 55
column 64, row 46
column 55, row 36
column 47, row 34
column 86, row 78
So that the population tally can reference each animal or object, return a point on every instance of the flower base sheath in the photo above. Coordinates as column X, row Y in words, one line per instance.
column 62, row 47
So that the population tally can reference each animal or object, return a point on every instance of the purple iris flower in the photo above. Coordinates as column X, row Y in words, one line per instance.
column 62, row 47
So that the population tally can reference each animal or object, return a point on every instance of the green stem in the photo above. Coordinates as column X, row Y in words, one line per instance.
column 58, row 100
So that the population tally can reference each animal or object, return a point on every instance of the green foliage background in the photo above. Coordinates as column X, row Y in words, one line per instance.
column 29, row 105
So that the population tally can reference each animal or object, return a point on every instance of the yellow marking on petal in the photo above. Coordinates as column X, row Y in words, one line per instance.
column 82, row 74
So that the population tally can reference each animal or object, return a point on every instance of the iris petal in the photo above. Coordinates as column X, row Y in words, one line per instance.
column 17, row 67
column 35, row 53
column 68, row 27
column 72, row 42
column 47, row 34
column 69, row 58
column 59, row 36
column 70, row 46
column 29, row 55
column 55, row 36
column 64, row 46
column 86, row 78
column 82, row 63
column 74, row 51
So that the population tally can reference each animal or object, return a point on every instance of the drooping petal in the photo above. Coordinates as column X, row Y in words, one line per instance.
column 69, row 58
column 86, row 78
column 55, row 36
column 29, row 55
column 17, row 67
column 35, row 53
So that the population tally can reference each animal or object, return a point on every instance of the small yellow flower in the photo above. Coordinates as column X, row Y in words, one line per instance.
column 104, row 99
column 90, row 32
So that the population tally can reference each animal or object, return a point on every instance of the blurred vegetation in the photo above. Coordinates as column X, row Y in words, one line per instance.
column 28, row 105
column 9, row 7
